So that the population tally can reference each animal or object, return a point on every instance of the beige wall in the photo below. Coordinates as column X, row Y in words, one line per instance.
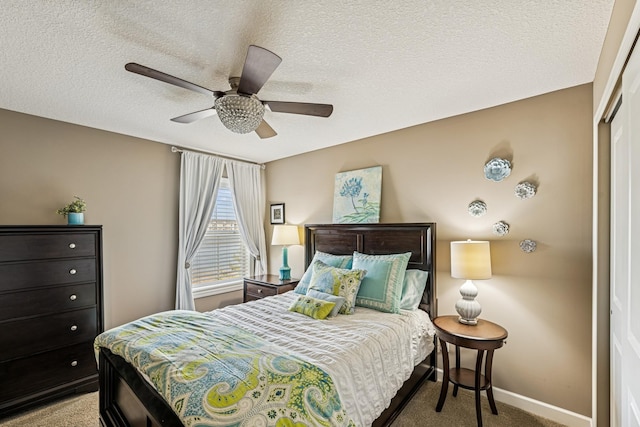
column 131, row 188
column 601, row 287
column 218, row 301
column 433, row 171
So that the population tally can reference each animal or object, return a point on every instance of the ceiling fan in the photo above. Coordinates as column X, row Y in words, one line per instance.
column 240, row 110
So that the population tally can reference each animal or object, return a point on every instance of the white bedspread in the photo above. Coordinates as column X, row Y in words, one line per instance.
column 369, row 354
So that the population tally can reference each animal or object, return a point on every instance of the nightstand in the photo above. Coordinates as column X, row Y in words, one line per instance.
column 485, row 336
column 266, row 285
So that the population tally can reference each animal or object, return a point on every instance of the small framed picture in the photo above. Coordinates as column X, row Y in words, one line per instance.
column 277, row 213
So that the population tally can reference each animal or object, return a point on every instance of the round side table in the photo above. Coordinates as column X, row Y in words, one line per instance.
column 484, row 337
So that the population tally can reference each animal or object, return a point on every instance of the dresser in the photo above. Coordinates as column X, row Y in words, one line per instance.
column 50, row 312
column 257, row 287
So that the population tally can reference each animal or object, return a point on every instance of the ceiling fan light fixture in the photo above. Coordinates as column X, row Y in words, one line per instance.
column 240, row 113
column 239, row 109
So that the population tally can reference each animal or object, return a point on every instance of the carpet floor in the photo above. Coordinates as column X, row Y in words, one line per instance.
column 82, row 411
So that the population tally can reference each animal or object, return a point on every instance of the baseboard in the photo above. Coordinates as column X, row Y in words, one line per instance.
column 537, row 407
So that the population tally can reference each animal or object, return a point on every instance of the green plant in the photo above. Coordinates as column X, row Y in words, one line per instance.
column 77, row 206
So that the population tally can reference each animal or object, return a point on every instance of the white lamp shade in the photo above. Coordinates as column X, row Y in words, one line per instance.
column 285, row 235
column 470, row 260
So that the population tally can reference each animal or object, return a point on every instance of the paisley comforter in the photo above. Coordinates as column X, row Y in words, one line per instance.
column 259, row 364
column 218, row 374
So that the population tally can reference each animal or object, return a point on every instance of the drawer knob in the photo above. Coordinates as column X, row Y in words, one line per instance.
column 72, row 271
column 74, row 363
column 72, row 245
column 73, row 297
column 74, row 328
column 259, row 291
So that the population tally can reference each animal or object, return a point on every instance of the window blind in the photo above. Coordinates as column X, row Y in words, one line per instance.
column 222, row 256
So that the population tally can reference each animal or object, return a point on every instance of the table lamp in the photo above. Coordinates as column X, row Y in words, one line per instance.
column 285, row 235
column 470, row 260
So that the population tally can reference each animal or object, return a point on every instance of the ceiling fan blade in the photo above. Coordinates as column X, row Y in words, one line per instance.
column 163, row 77
column 265, row 131
column 259, row 64
column 308, row 109
column 192, row 117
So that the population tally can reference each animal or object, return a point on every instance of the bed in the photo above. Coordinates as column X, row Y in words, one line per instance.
column 128, row 398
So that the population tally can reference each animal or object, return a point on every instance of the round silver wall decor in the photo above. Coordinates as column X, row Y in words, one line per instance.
column 525, row 190
column 497, row 169
column 500, row 228
column 477, row 208
column 528, row 246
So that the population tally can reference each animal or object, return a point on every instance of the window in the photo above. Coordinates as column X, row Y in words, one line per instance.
column 222, row 258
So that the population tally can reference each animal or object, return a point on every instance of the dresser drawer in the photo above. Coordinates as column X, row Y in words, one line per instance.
column 21, row 376
column 23, row 337
column 259, row 291
column 47, row 300
column 15, row 247
column 15, row 276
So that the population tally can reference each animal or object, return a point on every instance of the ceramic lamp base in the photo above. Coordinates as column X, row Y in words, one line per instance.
column 285, row 270
column 471, row 322
column 467, row 307
column 285, row 273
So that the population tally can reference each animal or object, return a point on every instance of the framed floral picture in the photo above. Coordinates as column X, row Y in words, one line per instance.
column 277, row 213
column 356, row 196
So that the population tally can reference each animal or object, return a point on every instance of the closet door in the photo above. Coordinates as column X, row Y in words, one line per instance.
column 625, row 252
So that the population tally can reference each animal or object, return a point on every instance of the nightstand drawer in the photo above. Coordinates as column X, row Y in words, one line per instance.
column 23, row 337
column 46, row 246
column 266, row 285
column 260, row 291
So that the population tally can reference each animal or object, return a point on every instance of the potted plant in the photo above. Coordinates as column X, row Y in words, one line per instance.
column 74, row 211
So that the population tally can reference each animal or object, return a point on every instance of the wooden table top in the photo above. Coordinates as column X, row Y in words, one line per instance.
column 272, row 279
column 483, row 331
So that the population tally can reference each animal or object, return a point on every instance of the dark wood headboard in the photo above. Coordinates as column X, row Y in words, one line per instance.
column 379, row 239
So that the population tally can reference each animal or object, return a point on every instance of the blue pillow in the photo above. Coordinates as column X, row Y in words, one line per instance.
column 338, row 300
column 339, row 261
column 413, row 288
column 381, row 287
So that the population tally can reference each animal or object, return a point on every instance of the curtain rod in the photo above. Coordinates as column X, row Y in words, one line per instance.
column 175, row 149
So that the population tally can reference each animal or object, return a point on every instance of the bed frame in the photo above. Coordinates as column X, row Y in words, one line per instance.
column 126, row 399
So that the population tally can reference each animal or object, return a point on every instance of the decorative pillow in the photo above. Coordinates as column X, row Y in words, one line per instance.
column 340, row 261
column 338, row 300
column 337, row 281
column 413, row 288
column 382, row 286
column 312, row 307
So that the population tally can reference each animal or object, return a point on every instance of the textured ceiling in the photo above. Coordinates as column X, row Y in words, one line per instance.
column 383, row 65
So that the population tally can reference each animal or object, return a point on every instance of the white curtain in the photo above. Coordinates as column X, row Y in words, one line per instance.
column 245, row 180
column 199, row 181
